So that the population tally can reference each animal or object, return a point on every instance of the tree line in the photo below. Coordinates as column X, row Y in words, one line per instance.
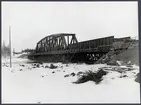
column 28, row 50
column 5, row 50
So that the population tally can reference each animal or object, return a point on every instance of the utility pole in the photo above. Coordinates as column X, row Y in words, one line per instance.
column 10, row 45
column 13, row 51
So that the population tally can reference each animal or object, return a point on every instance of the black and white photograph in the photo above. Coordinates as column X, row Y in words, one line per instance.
column 70, row 52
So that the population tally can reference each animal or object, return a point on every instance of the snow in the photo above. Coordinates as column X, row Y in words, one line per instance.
column 24, row 84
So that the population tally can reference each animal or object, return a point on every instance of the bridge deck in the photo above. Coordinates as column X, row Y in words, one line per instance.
column 105, row 48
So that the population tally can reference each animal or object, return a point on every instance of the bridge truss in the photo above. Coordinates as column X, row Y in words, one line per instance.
column 65, row 47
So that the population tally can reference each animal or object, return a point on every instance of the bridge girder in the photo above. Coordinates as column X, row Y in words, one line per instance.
column 56, row 42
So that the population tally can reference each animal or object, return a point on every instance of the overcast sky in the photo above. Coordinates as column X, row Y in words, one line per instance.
column 32, row 21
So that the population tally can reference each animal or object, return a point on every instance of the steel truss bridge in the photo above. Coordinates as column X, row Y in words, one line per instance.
column 64, row 47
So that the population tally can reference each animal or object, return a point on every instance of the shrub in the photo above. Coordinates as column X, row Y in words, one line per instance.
column 67, row 75
column 52, row 66
column 72, row 74
column 53, row 72
column 91, row 76
column 38, row 65
column 46, row 66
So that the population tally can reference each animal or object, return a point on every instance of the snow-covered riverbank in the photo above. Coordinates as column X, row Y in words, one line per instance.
column 25, row 83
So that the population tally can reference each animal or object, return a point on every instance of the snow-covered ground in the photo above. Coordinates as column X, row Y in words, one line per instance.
column 24, row 84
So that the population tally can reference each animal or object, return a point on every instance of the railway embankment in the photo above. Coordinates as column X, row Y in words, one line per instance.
column 123, row 53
